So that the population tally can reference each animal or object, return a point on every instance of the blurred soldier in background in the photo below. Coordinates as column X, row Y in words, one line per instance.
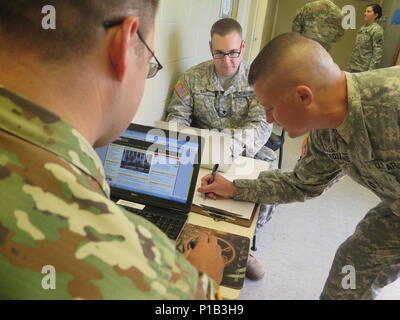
column 368, row 50
column 320, row 21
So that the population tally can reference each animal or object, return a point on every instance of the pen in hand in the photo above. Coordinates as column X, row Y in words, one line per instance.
column 214, row 171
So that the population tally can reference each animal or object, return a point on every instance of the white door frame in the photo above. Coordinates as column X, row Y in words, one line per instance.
column 255, row 28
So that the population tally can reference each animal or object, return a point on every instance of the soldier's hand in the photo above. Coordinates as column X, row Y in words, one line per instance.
column 206, row 256
column 220, row 187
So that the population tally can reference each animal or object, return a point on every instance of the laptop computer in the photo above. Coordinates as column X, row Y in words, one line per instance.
column 217, row 145
column 157, row 169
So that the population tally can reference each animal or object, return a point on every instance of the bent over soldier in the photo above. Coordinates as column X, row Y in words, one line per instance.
column 353, row 121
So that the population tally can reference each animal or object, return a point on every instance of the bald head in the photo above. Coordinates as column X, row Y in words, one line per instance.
column 294, row 60
column 299, row 85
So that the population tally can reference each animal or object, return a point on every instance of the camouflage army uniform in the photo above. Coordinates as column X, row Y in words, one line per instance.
column 320, row 21
column 200, row 101
column 366, row 146
column 55, row 210
column 368, row 51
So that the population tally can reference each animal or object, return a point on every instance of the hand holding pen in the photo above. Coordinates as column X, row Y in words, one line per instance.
column 214, row 171
column 216, row 186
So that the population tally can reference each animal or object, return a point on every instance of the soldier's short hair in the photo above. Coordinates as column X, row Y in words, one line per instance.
column 270, row 57
column 78, row 23
column 226, row 26
column 377, row 9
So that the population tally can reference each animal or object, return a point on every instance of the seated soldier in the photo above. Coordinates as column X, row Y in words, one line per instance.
column 216, row 95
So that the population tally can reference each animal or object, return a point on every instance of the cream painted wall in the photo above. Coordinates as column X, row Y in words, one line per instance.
column 181, row 41
column 269, row 22
column 182, row 32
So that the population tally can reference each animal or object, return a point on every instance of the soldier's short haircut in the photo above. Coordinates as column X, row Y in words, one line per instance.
column 272, row 55
column 226, row 26
column 377, row 9
column 78, row 23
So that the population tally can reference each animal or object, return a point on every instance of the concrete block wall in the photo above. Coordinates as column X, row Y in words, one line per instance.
column 182, row 33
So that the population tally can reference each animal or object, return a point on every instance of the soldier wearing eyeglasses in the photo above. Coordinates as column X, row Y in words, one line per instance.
column 62, row 92
column 216, row 95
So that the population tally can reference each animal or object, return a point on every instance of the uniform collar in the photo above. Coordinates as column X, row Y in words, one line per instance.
column 42, row 128
column 236, row 83
column 353, row 128
column 344, row 129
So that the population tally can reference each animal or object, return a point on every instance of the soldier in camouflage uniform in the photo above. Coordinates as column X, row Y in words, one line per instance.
column 368, row 50
column 216, row 95
column 354, row 124
column 55, row 208
column 320, row 21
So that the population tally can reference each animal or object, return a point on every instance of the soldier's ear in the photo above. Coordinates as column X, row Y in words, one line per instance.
column 121, row 42
column 304, row 95
column 210, row 44
column 243, row 46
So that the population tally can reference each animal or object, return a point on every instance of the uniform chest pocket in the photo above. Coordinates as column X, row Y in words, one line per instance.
column 204, row 106
column 365, row 41
column 240, row 105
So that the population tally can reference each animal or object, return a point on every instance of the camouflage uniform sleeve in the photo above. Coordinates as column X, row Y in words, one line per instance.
column 255, row 131
column 311, row 176
column 180, row 108
column 297, row 24
column 377, row 49
column 205, row 287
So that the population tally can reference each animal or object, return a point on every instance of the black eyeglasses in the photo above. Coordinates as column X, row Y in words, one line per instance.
column 230, row 54
column 153, row 67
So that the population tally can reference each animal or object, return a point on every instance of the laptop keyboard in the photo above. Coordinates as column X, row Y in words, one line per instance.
column 171, row 226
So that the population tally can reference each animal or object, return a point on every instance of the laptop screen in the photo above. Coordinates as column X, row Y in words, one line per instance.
column 149, row 165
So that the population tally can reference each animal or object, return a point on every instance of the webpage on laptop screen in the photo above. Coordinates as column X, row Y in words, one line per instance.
column 151, row 164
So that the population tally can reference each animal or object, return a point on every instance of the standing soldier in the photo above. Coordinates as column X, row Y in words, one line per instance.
column 353, row 120
column 368, row 51
column 320, row 21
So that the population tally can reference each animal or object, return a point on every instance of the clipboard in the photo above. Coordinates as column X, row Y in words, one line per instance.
column 235, row 252
column 225, row 218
